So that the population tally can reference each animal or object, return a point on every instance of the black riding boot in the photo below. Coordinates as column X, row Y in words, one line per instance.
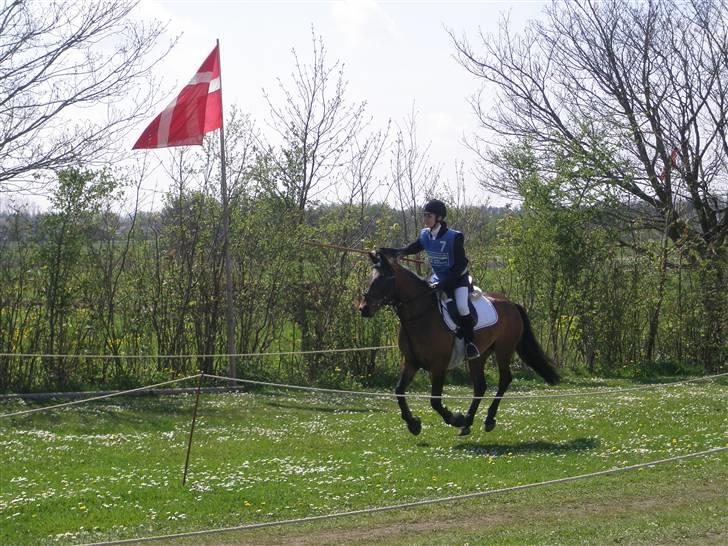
column 471, row 349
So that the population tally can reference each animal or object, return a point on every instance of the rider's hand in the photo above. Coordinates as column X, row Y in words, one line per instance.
column 434, row 285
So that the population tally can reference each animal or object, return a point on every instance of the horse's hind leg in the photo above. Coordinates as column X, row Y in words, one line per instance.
column 477, row 375
column 438, row 380
column 504, row 379
column 406, row 373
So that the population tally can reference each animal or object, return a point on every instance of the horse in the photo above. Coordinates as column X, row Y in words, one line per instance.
column 426, row 342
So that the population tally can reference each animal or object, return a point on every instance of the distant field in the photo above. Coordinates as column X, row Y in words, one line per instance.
column 112, row 469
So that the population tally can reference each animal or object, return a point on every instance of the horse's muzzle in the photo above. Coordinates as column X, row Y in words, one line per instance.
column 367, row 308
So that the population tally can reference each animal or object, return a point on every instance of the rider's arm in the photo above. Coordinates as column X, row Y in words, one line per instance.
column 412, row 248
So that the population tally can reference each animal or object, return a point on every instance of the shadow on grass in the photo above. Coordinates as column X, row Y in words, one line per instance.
column 481, row 448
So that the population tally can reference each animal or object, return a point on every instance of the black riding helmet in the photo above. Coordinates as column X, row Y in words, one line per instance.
column 436, row 207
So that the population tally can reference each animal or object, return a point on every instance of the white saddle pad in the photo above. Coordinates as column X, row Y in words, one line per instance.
column 487, row 315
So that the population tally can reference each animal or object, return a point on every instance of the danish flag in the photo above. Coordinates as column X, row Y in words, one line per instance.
column 196, row 110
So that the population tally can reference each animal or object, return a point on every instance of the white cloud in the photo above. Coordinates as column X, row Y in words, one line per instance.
column 359, row 20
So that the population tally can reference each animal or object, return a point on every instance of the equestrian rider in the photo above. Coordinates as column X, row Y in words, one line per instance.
column 446, row 251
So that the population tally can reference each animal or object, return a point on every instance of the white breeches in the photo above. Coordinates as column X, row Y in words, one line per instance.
column 461, row 300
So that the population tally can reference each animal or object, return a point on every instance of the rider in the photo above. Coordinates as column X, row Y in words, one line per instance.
column 446, row 251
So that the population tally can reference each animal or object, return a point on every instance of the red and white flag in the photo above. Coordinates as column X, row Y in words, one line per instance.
column 196, row 110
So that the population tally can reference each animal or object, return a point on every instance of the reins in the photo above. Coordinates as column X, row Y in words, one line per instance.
column 398, row 304
column 394, row 300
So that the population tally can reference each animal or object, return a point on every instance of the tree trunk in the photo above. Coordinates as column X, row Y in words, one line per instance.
column 655, row 316
column 715, row 313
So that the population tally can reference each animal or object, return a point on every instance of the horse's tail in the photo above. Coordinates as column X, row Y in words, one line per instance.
column 532, row 354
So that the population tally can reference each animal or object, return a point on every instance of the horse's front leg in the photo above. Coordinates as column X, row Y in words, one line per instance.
column 477, row 375
column 438, row 380
column 406, row 373
column 504, row 379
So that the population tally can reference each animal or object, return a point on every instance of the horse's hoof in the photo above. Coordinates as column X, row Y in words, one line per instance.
column 457, row 420
column 489, row 425
column 414, row 425
column 464, row 431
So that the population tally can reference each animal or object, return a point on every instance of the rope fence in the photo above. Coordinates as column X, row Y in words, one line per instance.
column 372, row 510
column 101, row 397
column 189, row 356
column 414, row 504
column 370, row 394
column 464, row 397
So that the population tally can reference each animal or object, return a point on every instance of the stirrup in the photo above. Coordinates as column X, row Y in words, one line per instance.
column 471, row 351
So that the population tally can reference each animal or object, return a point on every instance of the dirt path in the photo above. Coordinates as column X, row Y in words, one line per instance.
column 495, row 518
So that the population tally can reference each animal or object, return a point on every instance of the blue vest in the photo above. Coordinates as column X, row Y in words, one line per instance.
column 440, row 251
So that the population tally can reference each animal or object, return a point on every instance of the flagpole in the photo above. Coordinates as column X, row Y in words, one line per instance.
column 229, row 316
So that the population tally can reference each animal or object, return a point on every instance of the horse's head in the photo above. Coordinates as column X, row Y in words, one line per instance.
column 381, row 288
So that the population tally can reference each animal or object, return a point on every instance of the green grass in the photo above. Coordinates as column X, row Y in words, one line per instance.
column 113, row 469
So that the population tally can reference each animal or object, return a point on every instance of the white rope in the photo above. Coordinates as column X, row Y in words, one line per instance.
column 218, row 355
column 410, row 504
column 359, row 393
column 462, row 397
column 110, row 395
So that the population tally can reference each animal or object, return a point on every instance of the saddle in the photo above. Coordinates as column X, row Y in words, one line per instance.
column 480, row 307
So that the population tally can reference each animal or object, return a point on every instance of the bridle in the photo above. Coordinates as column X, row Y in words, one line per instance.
column 389, row 299
column 396, row 302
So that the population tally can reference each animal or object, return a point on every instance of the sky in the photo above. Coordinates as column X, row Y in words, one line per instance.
column 397, row 55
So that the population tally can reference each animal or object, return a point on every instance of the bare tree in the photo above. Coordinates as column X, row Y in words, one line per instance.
column 360, row 180
column 647, row 82
column 638, row 91
column 413, row 176
column 317, row 127
column 74, row 76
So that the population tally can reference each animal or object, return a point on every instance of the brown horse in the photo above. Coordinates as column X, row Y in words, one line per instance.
column 427, row 343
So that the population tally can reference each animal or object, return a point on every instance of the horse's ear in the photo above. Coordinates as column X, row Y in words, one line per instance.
column 374, row 256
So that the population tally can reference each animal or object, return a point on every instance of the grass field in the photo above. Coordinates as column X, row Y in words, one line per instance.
column 112, row 469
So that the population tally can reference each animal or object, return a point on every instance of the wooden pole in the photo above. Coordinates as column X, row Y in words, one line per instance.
column 192, row 427
column 229, row 311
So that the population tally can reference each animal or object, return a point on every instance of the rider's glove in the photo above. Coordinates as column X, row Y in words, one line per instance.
column 434, row 285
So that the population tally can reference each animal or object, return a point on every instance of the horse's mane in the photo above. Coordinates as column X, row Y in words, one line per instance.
column 414, row 275
column 383, row 262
